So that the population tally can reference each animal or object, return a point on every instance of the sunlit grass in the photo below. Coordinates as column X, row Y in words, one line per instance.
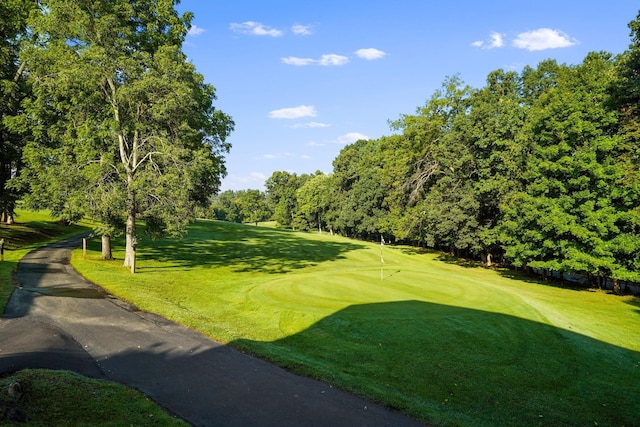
column 446, row 343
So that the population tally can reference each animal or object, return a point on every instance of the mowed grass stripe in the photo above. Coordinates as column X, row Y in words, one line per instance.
column 447, row 343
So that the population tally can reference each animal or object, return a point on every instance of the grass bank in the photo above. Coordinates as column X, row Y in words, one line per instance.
column 449, row 344
column 63, row 398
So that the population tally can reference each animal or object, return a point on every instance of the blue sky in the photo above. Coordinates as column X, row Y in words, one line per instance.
column 302, row 79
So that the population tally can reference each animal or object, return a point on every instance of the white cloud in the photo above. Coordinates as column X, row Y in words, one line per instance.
column 351, row 137
column 315, row 144
column 310, row 125
column 236, row 182
column 195, row 31
column 255, row 29
column 325, row 60
column 333, row 60
column 301, row 30
column 305, row 157
column 370, row 53
column 543, row 38
column 294, row 112
column 496, row 41
column 300, row 62
column 270, row 156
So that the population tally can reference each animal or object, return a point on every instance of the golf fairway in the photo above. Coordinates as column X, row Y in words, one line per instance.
column 449, row 343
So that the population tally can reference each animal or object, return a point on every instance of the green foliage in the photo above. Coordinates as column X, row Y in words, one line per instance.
column 13, row 89
column 281, row 196
column 568, row 214
column 241, row 206
column 315, row 198
column 225, row 207
column 253, row 206
column 120, row 121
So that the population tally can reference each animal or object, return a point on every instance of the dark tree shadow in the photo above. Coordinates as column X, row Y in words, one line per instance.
column 270, row 250
column 636, row 303
column 460, row 262
column 460, row 366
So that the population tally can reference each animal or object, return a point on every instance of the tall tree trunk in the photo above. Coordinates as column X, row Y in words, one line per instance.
column 616, row 286
column 106, row 247
column 130, row 232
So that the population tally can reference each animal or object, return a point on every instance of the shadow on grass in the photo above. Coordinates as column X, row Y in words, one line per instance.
column 23, row 234
column 636, row 303
column 260, row 249
column 460, row 366
column 461, row 262
column 538, row 280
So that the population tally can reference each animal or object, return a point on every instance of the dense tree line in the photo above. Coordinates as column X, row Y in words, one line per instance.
column 537, row 169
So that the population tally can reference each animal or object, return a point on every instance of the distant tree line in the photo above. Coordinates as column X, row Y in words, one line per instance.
column 537, row 169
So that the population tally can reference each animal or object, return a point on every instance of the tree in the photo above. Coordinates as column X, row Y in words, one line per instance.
column 281, row 195
column 492, row 132
column 226, row 208
column 625, row 99
column 315, row 198
column 574, row 200
column 13, row 89
column 118, row 104
column 253, row 206
column 442, row 209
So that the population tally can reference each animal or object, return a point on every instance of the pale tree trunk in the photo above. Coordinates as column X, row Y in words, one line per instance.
column 130, row 232
column 319, row 225
column 106, row 247
column 129, row 157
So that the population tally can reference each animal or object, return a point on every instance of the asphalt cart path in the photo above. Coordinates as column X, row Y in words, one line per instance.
column 56, row 319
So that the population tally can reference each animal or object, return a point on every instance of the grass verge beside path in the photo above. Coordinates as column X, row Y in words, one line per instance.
column 448, row 344
column 63, row 398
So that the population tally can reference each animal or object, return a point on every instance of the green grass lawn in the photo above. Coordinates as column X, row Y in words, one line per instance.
column 63, row 398
column 449, row 344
